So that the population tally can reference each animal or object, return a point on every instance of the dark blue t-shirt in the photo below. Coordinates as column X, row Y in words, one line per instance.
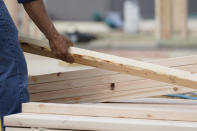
column 23, row 1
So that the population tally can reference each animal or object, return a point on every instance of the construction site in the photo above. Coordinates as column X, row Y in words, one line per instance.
column 135, row 64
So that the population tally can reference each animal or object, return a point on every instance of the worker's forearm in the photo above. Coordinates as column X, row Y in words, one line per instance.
column 38, row 14
column 58, row 43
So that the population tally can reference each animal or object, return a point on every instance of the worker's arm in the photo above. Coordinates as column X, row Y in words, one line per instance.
column 58, row 43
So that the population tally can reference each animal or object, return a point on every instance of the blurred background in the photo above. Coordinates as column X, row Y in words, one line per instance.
column 140, row 29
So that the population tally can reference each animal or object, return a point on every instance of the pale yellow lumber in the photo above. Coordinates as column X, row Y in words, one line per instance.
column 180, row 13
column 159, row 101
column 136, row 111
column 95, row 123
column 107, row 92
column 119, row 64
column 111, row 95
column 31, row 129
column 25, row 23
column 163, row 9
column 187, row 63
column 171, row 17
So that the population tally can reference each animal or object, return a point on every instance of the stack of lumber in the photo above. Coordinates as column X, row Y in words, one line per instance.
column 127, row 79
column 117, row 64
column 105, row 117
column 131, row 79
column 97, row 85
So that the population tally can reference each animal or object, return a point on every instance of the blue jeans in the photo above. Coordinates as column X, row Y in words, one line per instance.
column 13, row 68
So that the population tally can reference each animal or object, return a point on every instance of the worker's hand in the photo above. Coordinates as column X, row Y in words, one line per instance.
column 60, row 48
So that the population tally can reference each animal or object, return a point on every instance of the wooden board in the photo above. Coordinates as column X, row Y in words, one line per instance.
column 163, row 10
column 44, row 75
column 136, row 111
column 95, row 123
column 171, row 18
column 159, row 101
column 118, row 64
column 31, row 129
column 180, row 15
column 107, row 92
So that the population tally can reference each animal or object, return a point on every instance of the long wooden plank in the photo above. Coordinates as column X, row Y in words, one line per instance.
column 102, row 93
column 163, row 10
column 185, row 63
column 31, row 129
column 159, row 101
column 180, row 23
column 136, row 111
column 95, row 123
column 103, row 97
column 119, row 64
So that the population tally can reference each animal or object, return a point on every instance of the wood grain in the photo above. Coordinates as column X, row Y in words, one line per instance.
column 31, row 129
column 95, row 123
column 136, row 111
column 119, row 64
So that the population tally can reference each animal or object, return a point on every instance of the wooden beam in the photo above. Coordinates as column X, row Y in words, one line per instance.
column 107, row 95
column 186, row 63
column 106, row 92
column 159, row 101
column 95, row 123
column 180, row 12
column 171, row 17
column 163, row 9
column 25, row 23
column 136, row 111
column 31, row 129
column 118, row 64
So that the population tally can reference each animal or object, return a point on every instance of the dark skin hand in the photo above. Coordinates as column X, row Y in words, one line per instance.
column 58, row 43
